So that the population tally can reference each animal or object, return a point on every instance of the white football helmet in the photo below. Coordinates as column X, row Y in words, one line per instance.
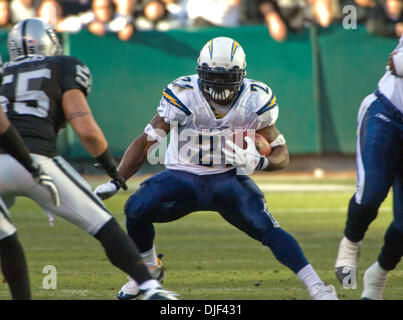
column 221, row 69
column 32, row 37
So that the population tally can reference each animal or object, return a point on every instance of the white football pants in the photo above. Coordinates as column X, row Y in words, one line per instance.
column 78, row 204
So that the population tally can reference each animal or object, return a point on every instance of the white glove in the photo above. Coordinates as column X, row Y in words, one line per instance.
column 249, row 159
column 106, row 190
column 47, row 182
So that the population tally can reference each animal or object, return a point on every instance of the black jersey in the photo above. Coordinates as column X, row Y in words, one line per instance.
column 31, row 94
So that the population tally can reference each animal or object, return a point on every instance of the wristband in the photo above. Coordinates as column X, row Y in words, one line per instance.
column 262, row 164
column 108, row 163
column 116, row 184
column 150, row 131
column 278, row 141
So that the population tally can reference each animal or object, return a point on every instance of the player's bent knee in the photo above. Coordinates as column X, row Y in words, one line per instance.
column 133, row 208
column 372, row 200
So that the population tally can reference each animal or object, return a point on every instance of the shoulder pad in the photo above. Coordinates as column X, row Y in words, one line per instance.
column 175, row 96
column 261, row 97
column 78, row 71
column 184, row 82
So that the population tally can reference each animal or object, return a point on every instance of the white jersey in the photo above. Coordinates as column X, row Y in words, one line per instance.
column 392, row 86
column 200, row 133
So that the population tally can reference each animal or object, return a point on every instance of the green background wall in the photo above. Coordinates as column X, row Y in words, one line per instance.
column 319, row 78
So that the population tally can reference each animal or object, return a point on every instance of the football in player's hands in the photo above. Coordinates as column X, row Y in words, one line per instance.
column 261, row 143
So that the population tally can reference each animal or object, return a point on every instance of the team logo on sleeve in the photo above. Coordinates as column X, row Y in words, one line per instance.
column 83, row 77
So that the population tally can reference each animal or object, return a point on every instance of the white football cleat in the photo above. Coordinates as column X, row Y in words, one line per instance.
column 323, row 292
column 346, row 263
column 131, row 290
column 159, row 293
column 374, row 282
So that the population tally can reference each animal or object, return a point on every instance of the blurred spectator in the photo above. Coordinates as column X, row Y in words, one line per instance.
column 322, row 12
column 125, row 7
column 51, row 12
column 160, row 14
column 22, row 9
column 221, row 13
column 366, row 3
column 73, row 7
column 386, row 18
column 283, row 16
column 100, row 20
column 5, row 20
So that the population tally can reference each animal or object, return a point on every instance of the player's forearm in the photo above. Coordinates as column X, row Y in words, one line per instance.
column 94, row 142
column 278, row 159
column 134, row 157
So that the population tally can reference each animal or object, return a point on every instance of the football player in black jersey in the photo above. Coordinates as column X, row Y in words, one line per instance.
column 42, row 90
column 12, row 258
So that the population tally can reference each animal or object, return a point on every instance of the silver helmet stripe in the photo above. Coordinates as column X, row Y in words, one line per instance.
column 23, row 36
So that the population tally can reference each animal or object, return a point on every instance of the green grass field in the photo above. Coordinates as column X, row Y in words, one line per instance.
column 205, row 257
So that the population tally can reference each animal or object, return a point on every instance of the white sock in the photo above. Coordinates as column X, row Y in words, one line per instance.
column 149, row 257
column 348, row 253
column 374, row 282
column 381, row 272
column 350, row 244
column 309, row 277
column 149, row 284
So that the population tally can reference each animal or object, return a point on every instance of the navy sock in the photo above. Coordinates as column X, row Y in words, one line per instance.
column 392, row 251
column 142, row 234
column 359, row 218
column 285, row 248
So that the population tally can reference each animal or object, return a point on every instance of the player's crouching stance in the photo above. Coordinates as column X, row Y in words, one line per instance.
column 379, row 159
column 41, row 90
column 205, row 105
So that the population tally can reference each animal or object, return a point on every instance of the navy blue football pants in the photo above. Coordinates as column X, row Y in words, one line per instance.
column 379, row 167
column 173, row 194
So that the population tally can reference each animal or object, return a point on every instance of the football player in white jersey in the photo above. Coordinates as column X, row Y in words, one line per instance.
column 379, row 160
column 205, row 170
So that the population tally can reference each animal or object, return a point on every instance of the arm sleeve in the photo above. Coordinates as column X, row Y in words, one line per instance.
column 12, row 143
column 268, row 118
column 265, row 104
column 76, row 75
column 379, row 24
column 172, row 107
